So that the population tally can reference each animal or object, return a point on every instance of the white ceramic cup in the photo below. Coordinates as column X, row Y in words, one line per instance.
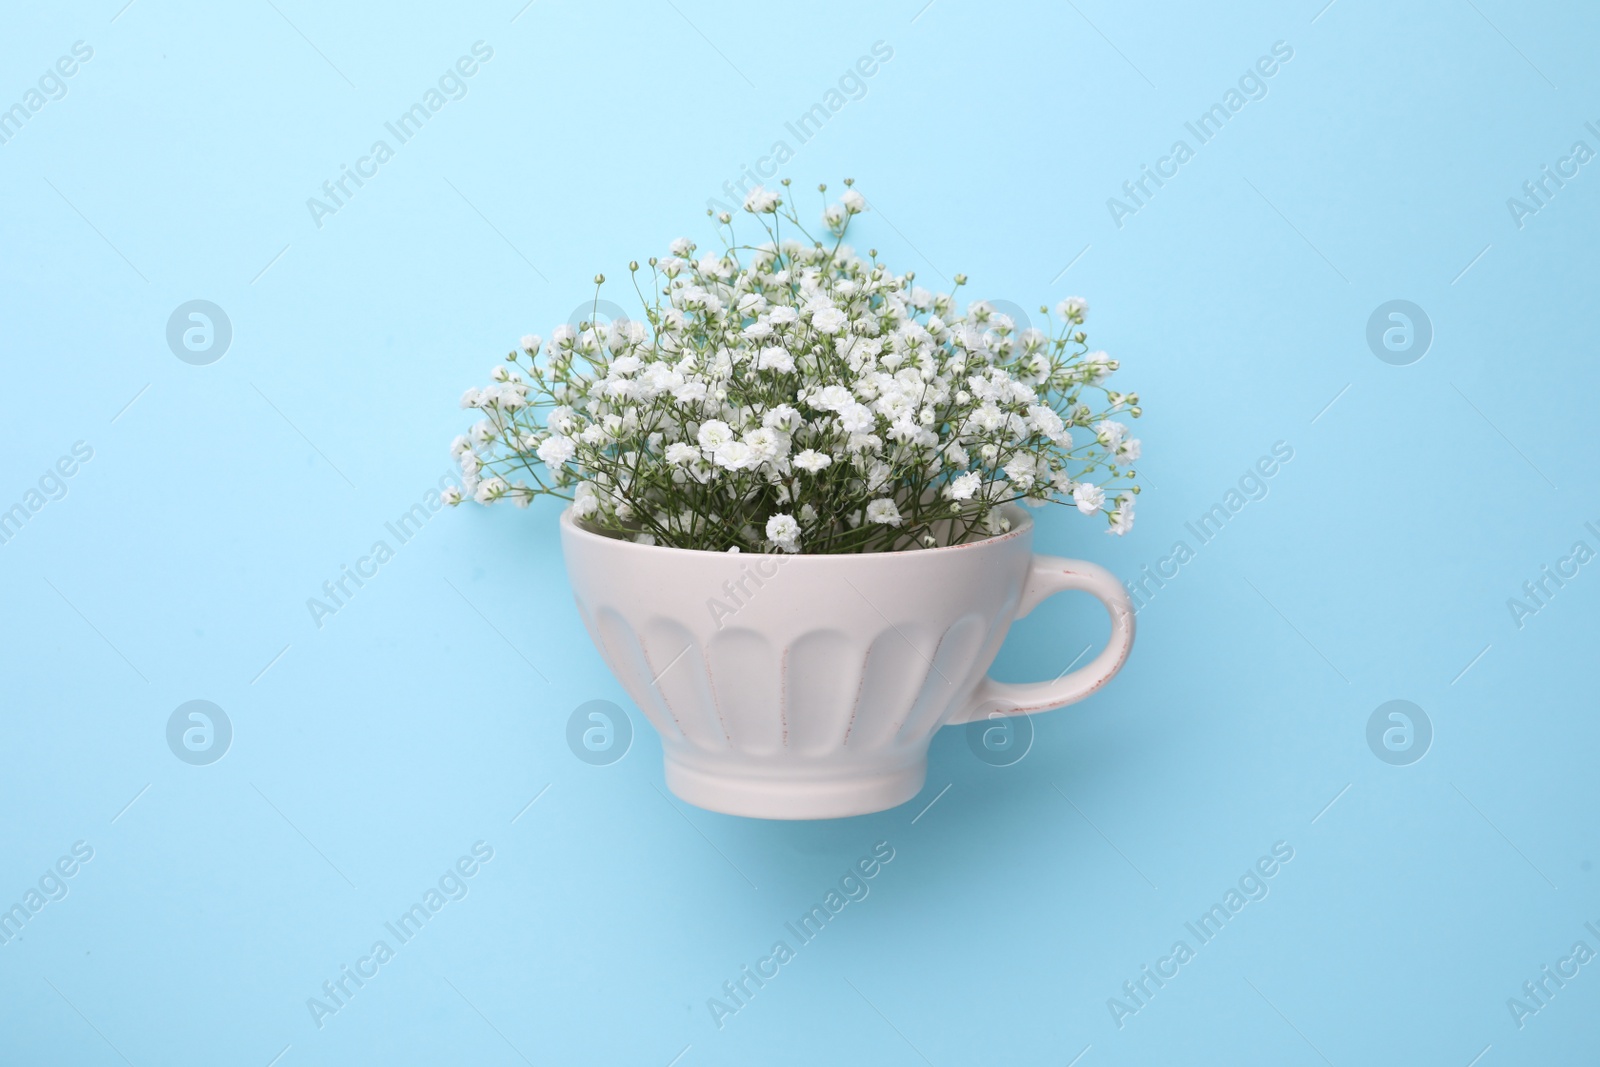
column 809, row 686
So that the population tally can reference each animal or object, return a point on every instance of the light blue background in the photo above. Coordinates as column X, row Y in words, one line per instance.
column 370, row 753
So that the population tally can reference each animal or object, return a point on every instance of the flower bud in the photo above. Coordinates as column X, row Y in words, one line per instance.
column 599, row 279
column 633, row 264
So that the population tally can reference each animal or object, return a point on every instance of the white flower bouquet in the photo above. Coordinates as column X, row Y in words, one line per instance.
column 792, row 396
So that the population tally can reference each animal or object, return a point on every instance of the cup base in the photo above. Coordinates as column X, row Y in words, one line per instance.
column 795, row 798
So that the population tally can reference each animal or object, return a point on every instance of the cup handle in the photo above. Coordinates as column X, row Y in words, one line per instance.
column 1047, row 576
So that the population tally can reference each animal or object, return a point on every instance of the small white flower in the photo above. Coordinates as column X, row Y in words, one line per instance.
column 1122, row 518
column 829, row 320
column 883, row 511
column 556, row 450
column 853, row 202
column 735, row 455
column 1021, row 471
column 714, row 434
column 1110, row 433
column 783, row 417
column 690, row 392
column 531, row 343
column 681, row 247
column 830, row 398
column 775, row 358
column 561, row 419
column 857, row 418
column 766, row 444
column 1072, row 309
column 783, row 315
column 1098, row 364
column 811, row 460
column 585, row 501
column 682, row 453
column 1045, row 420
column 471, row 398
column 1088, row 497
column 784, row 531
column 964, row 486
column 451, row 496
column 762, row 201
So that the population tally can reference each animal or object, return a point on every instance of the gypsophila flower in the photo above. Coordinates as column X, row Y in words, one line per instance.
column 830, row 320
column 715, row 433
column 811, row 460
column 1110, row 433
column 762, row 201
column 775, row 358
column 735, row 455
column 784, row 531
column 883, row 510
column 964, row 486
column 1020, row 471
column 1088, row 497
column 790, row 394
column 1122, row 517
column 556, row 450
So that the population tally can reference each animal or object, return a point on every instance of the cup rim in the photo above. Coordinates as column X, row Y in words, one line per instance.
column 1021, row 523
